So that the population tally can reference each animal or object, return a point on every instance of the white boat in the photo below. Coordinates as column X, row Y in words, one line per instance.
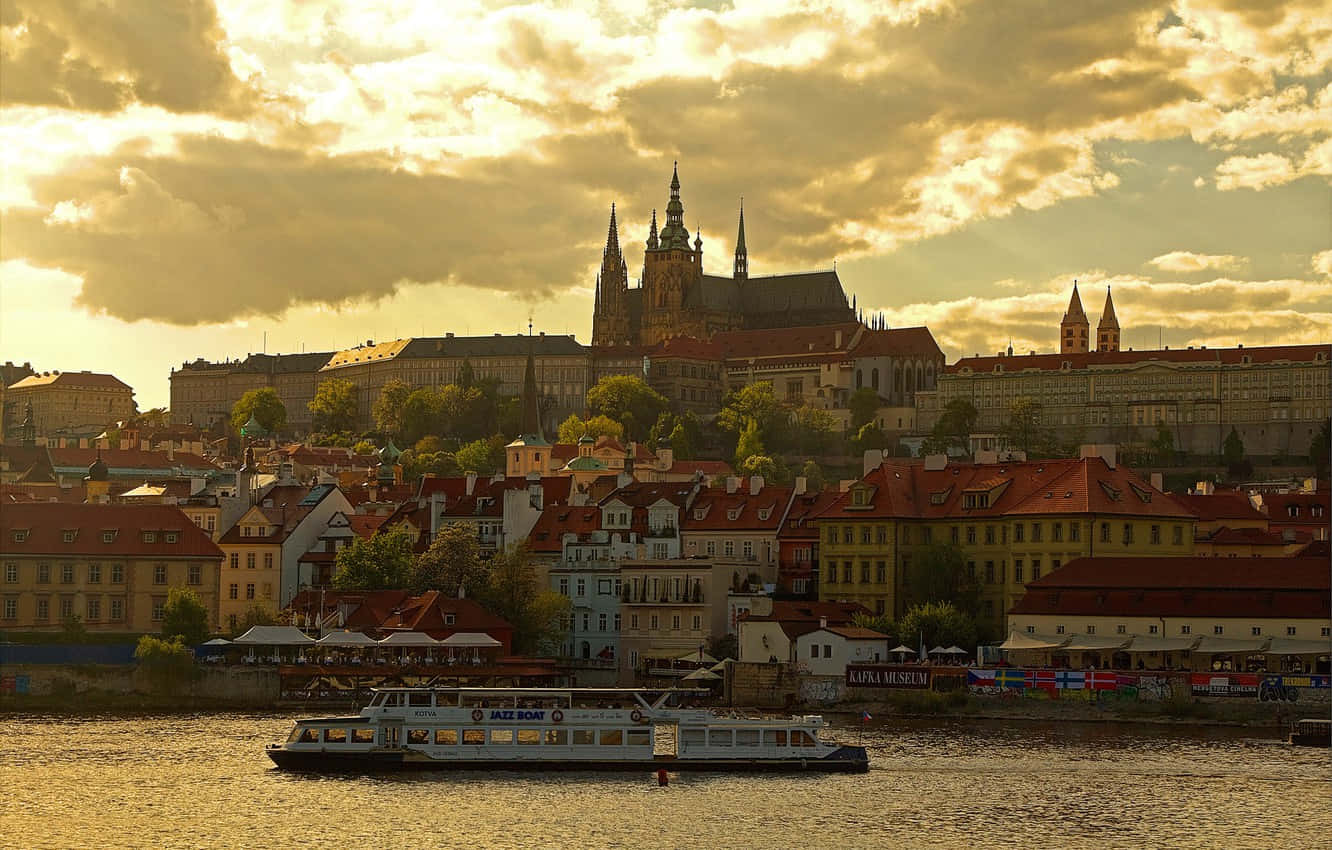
column 558, row 729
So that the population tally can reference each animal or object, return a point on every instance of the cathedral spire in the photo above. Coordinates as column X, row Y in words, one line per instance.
column 652, row 231
column 1107, row 332
column 674, row 234
column 612, row 237
column 741, row 254
column 1074, row 328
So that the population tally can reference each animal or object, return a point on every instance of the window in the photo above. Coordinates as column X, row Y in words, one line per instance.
column 604, row 587
column 747, row 549
column 813, row 650
column 1128, row 533
column 952, row 534
column 1091, row 630
column 249, row 591
column 150, row 537
column 67, row 536
column 11, row 608
column 1059, row 630
column 587, row 623
column 66, row 607
column 235, row 560
column 653, row 622
column 1153, row 629
column 66, row 573
column 94, row 608
column 1256, row 631
column 989, row 572
column 43, row 573
column 20, row 536
column 268, row 590
column 633, row 621
column 601, row 622
column 846, row 572
column 1177, row 535
column 971, row 535
column 1290, row 631
column 117, row 610
column 171, row 537
column 233, row 592
column 195, row 575
column 474, row 737
column 1217, row 630
column 712, row 546
column 268, row 560
column 501, row 736
column 564, row 587
column 43, row 610
column 94, row 574
column 1035, row 568
column 1075, row 531
column 11, row 573
column 1185, row 629
column 728, row 548
column 698, row 622
column 1018, row 571
column 864, row 572
column 159, row 574
column 1019, row 532
column 1156, row 535
column 249, row 560
column 848, row 534
column 1120, row 629
column 1035, row 532
column 675, row 622
column 610, row 738
column 881, row 570
column 927, row 535
column 581, row 587
column 989, row 535
column 159, row 606
column 108, row 537
column 1105, row 532
column 117, row 573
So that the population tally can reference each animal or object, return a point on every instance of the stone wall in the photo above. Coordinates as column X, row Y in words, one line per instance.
column 761, row 685
column 231, row 686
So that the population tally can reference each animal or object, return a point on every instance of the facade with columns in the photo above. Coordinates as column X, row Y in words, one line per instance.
column 676, row 298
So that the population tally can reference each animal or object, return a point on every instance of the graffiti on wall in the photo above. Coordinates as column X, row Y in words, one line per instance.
column 821, row 690
column 1147, row 687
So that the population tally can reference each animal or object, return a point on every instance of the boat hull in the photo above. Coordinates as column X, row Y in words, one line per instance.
column 842, row 760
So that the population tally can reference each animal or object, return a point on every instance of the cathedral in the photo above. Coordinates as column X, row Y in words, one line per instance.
column 675, row 298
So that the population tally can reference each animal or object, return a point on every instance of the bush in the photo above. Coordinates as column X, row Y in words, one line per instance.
column 169, row 664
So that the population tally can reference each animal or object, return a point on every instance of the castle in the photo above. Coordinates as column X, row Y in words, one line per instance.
column 675, row 298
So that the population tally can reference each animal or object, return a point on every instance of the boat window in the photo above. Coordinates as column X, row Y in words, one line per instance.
column 801, row 739
column 694, row 738
column 719, row 738
column 584, row 737
column 418, row 736
column 418, row 699
column 474, row 736
column 378, row 700
column 391, row 700
column 335, row 736
column 746, row 737
column 446, row 737
column 557, row 737
column 501, row 736
column 611, row 737
column 363, row 736
column 445, row 698
column 304, row 736
column 776, row 736
column 638, row 737
column 529, row 736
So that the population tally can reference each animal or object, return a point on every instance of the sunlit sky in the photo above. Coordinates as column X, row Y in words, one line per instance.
column 194, row 179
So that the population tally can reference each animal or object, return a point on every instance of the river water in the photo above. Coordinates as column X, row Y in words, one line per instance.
column 191, row 781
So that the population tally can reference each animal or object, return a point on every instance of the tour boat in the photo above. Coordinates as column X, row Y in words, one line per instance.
column 558, row 729
column 1311, row 732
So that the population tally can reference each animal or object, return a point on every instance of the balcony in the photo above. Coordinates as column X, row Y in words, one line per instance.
column 662, row 531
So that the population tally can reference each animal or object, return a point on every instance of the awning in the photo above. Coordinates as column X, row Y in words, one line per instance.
column 1032, row 641
column 1221, row 646
column 1160, row 644
column 1093, row 643
column 274, row 636
column 696, row 656
column 343, row 638
column 1290, row 646
column 469, row 640
column 701, row 675
column 409, row 639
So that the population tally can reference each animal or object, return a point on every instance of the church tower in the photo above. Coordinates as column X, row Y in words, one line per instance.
column 741, row 254
column 1107, row 331
column 610, row 313
column 672, row 269
column 1075, row 327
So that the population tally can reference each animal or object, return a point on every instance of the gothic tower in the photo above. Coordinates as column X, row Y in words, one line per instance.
column 672, row 268
column 1074, row 328
column 741, row 254
column 610, row 313
column 1107, row 331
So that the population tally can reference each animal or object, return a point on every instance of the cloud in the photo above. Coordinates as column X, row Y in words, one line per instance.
column 1322, row 263
column 1187, row 261
column 1254, row 172
column 101, row 57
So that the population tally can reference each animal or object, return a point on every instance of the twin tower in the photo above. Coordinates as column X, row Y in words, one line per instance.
column 1074, row 329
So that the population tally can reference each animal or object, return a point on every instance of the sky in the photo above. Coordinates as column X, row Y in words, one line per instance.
column 210, row 179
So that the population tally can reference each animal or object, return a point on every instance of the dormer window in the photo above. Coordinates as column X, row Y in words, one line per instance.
column 108, row 537
column 172, row 537
column 733, row 514
column 68, row 535
column 859, row 497
column 150, row 537
column 1292, row 510
column 20, row 535
column 700, row 513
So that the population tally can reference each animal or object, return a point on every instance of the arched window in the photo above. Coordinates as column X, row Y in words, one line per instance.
column 586, row 649
column 920, row 377
column 859, row 379
column 874, row 378
column 897, row 378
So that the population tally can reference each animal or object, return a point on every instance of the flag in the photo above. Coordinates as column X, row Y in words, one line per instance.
column 1102, row 681
column 1008, row 678
column 981, row 678
column 864, row 715
column 1041, row 679
column 1070, row 680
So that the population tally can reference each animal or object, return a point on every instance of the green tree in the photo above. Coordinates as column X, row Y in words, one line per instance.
column 749, row 444
column 429, row 444
column 1023, row 431
column 264, row 405
column 363, row 448
column 757, row 402
column 72, row 629
column 380, row 562
column 812, row 430
column 628, row 400
column 168, row 663
column 597, row 426
column 464, row 412
column 452, row 562
column 870, row 436
column 415, row 464
column 881, row 623
column 760, row 465
column 387, row 409
column 185, row 616
column 813, row 476
column 864, row 406
column 938, row 573
column 256, row 615
column 422, row 414
column 1319, row 448
column 514, row 594
column 952, row 432
column 334, row 406
column 941, row 624
column 484, row 457
column 1163, row 447
column 1232, row 452
column 682, row 444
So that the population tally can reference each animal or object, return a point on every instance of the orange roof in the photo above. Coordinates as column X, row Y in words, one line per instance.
column 1221, row 504
column 895, row 342
column 556, row 521
column 72, row 379
column 716, row 510
column 44, row 526
column 802, row 341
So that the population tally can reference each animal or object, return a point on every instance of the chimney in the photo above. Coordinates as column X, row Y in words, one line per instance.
column 732, row 484
column 171, row 450
column 823, row 622
column 1158, row 481
column 800, row 485
column 471, row 483
column 755, row 484
column 837, row 339
column 934, row 463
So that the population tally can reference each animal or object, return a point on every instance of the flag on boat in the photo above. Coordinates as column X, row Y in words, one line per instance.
column 864, row 715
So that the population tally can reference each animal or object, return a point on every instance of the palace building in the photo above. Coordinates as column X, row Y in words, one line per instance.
column 676, row 298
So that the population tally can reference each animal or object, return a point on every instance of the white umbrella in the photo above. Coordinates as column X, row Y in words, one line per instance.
column 275, row 636
column 344, row 638
column 409, row 639
column 720, row 665
column 955, row 650
column 701, row 675
column 695, row 656
column 470, row 639
column 905, row 649
column 938, row 650
column 217, row 642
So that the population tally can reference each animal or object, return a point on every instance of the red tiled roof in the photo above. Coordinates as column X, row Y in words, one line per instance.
column 710, row 468
column 1219, row 505
column 855, row 633
column 1227, row 536
column 45, row 524
column 1279, row 604
column 897, row 342
column 1279, row 506
column 803, row 509
column 10, row 493
column 365, row 525
column 784, row 610
column 283, row 521
column 688, row 348
column 1091, row 359
column 716, row 507
column 128, row 458
column 790, row 342
column 558, row 520
column 72, row 379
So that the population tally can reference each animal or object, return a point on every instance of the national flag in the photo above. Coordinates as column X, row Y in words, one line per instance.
column 1102, row 681
column 1009, row 678
column 1041, row 679
column 1070, row 680
column 864, row 715
column 980, row 678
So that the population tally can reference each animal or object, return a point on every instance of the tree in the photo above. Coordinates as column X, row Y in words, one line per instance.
column 72, row 629
column 757, row 402
column 881, row 623
column 1023, row 431
column 388, row 407
column 184, row 616
column 682, row 444
column 870, row 436
column 813, row 476
column 864, row 406
column 940, row 624
column 513, row 593
column 364, row 448
column 422, row 414
column 1232, row 454
column 168, row 663
column 952, row 432
column 812, row 430
column 256, row 615
column 749, row 444
column 464, row 412
column 452, row 563
column 597, row 426
column 760, row 465
column 334, row 406
column 1319, row 448
column 1163, row 447
column 938, row 573
column 415, row 464
column 264, row 405
column 483, row 457
column 628, row 400
column 380, row 562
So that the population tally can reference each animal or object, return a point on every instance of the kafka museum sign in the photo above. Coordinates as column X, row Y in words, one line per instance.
column 865, row 676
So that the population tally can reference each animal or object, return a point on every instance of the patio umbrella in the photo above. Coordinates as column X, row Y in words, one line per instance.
column 701, row 675
column 720, row 665
column 343, row 638
column 955, row 650
column 697, row 656
column 938, row 650
column 217, row 642
column 904, row 650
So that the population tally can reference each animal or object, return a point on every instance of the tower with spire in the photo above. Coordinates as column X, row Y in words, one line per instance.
column 610, row 315
column 1107, row 330
column 741, row 253
column 529, row 452
column 672, row 276
column 1074, row 328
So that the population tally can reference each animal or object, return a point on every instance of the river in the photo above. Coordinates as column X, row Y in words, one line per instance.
column 178, row 781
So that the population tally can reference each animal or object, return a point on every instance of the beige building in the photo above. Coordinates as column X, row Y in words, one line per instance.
column 63, row 401
column 204, row 392
column 110, row 565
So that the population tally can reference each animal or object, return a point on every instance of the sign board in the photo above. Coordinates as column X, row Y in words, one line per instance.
column 880, row 676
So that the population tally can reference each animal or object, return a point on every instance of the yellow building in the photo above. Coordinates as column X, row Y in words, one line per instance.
column 72, row 400
column 203, row 392
column 1014, row 522
column 110, row 565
